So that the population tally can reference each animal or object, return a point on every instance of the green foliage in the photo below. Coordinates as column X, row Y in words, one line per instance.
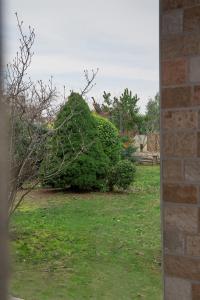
column 153, row 114
column 77, row 157
column 126, row 109
column 122, row 174
column 128, row 149
column 127, row 153
column 122, row 111
column 142, row 124
column 109, row 137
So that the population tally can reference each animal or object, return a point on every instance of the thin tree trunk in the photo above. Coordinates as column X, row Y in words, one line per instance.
column 4, row 169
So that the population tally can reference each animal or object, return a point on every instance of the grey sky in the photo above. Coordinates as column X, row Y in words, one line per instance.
column 120, row 37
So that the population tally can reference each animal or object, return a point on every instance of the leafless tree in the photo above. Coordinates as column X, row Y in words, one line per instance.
column 89, row 77
column 4, row 167
column 31, row 112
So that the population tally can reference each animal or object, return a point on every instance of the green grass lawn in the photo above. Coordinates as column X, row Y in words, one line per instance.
column 89, row 246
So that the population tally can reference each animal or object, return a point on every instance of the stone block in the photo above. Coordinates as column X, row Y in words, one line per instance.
column 172, row 47
column 172, row 170
column 196, row 96
column 177, row 289
column 181, row 218
column 188, row 3
column 172, row 4
column 182, row 267
column 180, row 46
column 195, row 291
column 191, row 45
column 168, row 120
column 180, row 193
column 168, row 146
column 178, row 97
column 192, row 170
column 185, row 144
column 186, row 119
column 174, row 72
column 175, row 4
column 172, row 22
column 194, row 69
column 198, row 144
column 173, row 242
column 191, row 19
column 193, row 245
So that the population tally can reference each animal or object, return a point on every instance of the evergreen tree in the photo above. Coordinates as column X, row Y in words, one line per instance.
column 126, row 110
column 153, row 114
column 76, row 149
column 122, row 111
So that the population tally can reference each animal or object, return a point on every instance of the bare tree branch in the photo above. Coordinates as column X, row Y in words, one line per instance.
column 32, row 111
column 89, row 81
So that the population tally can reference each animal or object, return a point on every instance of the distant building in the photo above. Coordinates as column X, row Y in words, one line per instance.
column 140, row 142
column 147, row 143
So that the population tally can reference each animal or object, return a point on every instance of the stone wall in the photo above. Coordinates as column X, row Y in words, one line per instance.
column 153, row 142
column 180, row 125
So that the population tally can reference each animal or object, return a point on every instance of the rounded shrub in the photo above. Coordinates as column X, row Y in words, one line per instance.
column 110, row 139
column 122, row 175
column 77, row 158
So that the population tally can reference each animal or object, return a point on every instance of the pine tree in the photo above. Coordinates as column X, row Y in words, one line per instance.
column 76, row 149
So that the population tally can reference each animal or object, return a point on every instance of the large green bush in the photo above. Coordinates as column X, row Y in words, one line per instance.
column 109, row 137
column 122, row 175
column 77, row 158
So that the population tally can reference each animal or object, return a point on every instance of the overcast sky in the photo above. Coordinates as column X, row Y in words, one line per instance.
column 120, row 37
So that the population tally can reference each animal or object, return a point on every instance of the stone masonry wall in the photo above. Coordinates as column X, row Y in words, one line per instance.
column 180, row 123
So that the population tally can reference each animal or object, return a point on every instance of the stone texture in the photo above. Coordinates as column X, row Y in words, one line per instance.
column 179, row 193
column 174, row 72
column 178, row 97
column 185, row 144
column 180, row 46
column 193, row 245
column 186, row 119
column 191, row 45
column 168, row 144
column 192, row 171
column 180, row 122
column 191, row 20
column 172, row 22
column 196, row 96
column 173, row 242
column 172, row 170
column 180, row 144
column 181, row 218
column 167, row 120
column 195, row 291
column 183, row 267
column 172, row 47
column 194, row 72
column 177, row 289
column 198, row 144
column 174, row 4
